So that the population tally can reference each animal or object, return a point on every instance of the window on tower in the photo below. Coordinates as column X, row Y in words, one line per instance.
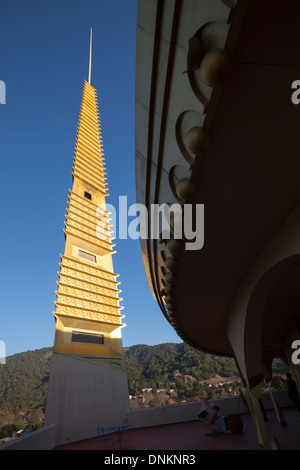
column 87, row 195
column 90, row 338
column 87, row 256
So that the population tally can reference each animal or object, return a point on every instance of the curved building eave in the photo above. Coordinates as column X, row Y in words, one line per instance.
column 248, row 176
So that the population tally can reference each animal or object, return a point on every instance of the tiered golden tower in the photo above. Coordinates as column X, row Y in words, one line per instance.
column 88, row 384
column 88, row 319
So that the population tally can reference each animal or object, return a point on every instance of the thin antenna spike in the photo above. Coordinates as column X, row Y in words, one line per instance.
column 90, row 57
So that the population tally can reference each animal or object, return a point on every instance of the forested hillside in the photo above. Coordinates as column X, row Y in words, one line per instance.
column 24, row 380
column 171, row 373
column 151, row 365
column 23, row 390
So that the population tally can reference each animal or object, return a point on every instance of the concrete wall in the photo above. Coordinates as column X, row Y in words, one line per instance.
column 43, row 439
column 82, row 396
column 189, row 411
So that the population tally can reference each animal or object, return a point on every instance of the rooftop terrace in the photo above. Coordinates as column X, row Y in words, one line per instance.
column 192, row 435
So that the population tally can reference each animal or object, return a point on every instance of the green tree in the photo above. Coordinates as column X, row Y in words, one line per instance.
column 8, row 430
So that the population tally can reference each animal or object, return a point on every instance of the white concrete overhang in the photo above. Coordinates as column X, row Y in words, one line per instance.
column 248, row 180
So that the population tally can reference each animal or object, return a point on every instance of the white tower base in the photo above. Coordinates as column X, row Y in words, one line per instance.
column 82, row 396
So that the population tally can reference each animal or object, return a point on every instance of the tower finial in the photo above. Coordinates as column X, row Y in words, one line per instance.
column 90, row 58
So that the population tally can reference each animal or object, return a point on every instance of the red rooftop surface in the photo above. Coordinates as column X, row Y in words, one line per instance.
column 192, row 435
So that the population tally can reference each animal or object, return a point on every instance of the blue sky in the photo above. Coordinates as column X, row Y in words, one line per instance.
column 44, row 61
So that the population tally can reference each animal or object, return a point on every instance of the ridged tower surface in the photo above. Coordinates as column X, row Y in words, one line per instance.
column 88, row 318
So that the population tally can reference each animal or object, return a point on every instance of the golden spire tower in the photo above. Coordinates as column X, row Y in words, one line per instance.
column 88, row 319
column 87, row 385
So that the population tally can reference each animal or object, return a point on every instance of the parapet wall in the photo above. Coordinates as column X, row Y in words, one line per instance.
column 189, row 411
column 43, row 439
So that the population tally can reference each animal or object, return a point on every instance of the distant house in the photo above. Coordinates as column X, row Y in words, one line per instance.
column 189, row 378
